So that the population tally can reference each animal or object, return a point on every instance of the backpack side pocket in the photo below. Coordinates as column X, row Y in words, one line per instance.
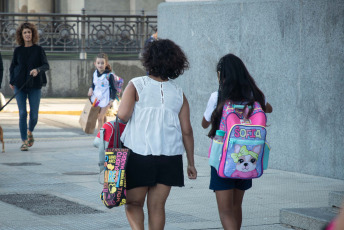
column 266, row 155
column 215, row 154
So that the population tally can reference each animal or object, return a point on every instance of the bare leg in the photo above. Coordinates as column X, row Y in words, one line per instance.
column 102, row 117
column 238, row 198
column 229, row 205
column 156, row 199
column 2, row 139
column 134, row 207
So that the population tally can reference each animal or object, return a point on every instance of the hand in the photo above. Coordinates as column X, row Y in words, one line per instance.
column 34, row 72
column 192, row 172
column 110, row 103
column 12, row 87
column 90, row 92
column 268, row 108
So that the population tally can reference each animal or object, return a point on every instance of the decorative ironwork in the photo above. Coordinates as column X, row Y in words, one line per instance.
column 125, row 35
column 9, row 32
column 81, row 33
column 66, row 34
column 43, row 33
column 101, row 34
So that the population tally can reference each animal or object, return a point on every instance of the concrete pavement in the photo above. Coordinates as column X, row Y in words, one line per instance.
column 55, row 185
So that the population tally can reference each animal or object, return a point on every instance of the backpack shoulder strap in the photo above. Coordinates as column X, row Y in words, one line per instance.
column 108, row 76
column 227, row 109
column 257, row 108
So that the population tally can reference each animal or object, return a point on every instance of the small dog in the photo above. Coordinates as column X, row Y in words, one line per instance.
column 2, row 139
column 246, row 161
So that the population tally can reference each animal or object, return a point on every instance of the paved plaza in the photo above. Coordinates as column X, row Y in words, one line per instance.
column 55, row 185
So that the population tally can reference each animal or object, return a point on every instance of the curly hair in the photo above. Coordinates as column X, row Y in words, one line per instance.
column 105, row 56
column 19, row 33
column 165, row 59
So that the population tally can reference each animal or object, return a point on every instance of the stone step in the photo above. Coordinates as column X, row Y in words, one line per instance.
column 336, row 199
column 308, row 218
column 264, row 227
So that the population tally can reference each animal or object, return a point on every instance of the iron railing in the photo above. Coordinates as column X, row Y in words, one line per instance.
column 81, row 33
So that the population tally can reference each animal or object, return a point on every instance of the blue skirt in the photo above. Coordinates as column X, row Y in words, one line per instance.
column 219, row 183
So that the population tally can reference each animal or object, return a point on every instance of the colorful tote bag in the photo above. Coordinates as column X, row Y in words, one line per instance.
column 114, row 190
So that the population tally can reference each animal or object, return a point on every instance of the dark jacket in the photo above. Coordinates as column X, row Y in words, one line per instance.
column 1, row 70
column 24, row 60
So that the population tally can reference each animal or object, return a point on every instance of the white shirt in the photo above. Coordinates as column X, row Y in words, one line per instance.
column 211, row 106
column 154, row 127
column 101, row 90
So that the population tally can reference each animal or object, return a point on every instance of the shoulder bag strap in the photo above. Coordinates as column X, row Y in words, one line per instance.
column 117, row 135
column 101, row 150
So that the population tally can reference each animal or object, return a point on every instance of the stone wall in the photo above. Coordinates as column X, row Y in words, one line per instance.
column 293, row 49
column 72, row 78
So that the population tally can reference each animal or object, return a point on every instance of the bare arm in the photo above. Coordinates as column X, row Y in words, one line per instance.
column 188, row 139
column 268, row 108
column 205, row 123
column 126, row 107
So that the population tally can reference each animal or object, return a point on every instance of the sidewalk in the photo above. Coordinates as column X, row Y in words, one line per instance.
column 55, row 185
column 53, row 106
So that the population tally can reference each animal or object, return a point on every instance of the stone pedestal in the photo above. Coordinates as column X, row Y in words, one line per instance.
column 293, row 49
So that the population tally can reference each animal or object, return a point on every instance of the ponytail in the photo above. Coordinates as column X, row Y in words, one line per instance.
column 108, row 66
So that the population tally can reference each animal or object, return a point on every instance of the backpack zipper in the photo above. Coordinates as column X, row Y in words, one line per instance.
column 248, row 142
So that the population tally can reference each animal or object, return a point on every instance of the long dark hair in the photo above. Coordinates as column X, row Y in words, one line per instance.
column 235, row 84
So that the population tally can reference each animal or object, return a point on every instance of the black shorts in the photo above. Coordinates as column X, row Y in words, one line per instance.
column 150, row 170
column 219, row 183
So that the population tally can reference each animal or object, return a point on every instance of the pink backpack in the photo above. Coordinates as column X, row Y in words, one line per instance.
column 244, row 151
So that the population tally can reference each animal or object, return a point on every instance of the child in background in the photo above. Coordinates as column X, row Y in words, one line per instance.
column 103, row 91
column 235, row 84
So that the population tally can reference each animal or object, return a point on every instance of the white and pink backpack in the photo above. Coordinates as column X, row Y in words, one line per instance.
column 244, row 153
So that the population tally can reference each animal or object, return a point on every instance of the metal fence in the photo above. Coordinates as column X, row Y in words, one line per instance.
column 81, row 33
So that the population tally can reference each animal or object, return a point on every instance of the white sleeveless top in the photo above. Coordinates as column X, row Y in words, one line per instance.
column 154, row 127
column 101, row 90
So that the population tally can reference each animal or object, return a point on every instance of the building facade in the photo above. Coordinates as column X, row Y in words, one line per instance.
column 116, row 7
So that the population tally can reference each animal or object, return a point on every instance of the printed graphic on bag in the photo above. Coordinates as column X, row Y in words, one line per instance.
column 114, row 192
column 245, row 150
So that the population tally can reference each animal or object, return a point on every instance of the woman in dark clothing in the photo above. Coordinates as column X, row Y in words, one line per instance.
column 1, row 70
column 29, row 64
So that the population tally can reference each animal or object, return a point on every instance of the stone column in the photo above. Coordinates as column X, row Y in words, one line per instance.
column 21, row 6
column 132, row 6
column 40, row 6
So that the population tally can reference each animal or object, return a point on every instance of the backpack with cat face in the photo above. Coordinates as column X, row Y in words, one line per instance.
column 244, row 151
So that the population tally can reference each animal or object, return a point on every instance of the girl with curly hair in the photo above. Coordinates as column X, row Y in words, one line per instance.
column 29, row 64
column 157, row 132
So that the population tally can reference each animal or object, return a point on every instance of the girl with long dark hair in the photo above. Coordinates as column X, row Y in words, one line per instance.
column 235, row 85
